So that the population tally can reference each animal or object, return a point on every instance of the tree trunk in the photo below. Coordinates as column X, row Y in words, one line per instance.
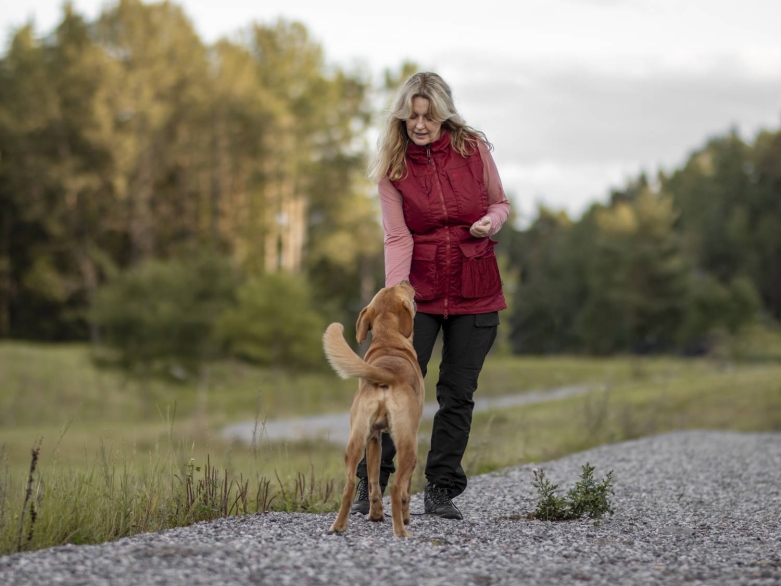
column 141, row 228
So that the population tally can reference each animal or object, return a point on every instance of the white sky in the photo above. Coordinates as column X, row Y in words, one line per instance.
column 576, row 95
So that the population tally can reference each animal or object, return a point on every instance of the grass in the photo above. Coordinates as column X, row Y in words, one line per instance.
column 43, row 384
column 44, row 389
column 742, row 398
column 119, row 456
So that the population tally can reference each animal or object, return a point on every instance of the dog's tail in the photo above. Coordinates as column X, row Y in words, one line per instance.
column 346, row 362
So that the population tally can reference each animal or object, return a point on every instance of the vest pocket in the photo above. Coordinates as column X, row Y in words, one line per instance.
column 468, row 186
column 423, row 271
column 480, row 272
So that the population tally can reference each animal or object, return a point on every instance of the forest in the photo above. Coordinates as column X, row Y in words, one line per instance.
column 180, row 202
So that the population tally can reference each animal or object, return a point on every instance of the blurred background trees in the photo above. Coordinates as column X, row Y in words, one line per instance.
column 173, row 199
column 663, row 267
column 127, row 147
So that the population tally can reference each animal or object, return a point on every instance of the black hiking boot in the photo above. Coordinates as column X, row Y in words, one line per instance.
column 361, row 504
column 437, row 502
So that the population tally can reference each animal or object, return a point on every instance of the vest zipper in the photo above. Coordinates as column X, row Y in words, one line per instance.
column 447, row 230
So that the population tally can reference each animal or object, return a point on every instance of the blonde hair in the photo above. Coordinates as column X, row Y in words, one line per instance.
column 392, row 145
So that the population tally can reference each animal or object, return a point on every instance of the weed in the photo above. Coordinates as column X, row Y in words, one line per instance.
column 550, row 506
column 28, row 493
column 108, row 501
column 212, row 497
column 589, row 498
column 263, row 497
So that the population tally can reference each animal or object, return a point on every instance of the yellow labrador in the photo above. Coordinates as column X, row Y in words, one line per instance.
column 389, row 399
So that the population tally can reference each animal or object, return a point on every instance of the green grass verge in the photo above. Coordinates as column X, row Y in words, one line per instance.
column 746, row 398
column 117, row 459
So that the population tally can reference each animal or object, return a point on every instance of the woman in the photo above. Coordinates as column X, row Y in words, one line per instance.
column 441, row 199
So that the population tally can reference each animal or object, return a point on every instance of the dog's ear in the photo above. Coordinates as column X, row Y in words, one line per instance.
column 405, row 319
column 364, row 324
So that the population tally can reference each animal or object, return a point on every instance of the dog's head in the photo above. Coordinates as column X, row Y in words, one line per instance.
column 392, row 307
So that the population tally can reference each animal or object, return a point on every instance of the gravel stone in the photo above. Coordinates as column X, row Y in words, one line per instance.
column 695, row 507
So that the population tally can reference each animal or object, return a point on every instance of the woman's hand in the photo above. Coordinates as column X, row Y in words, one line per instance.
column 481, row 228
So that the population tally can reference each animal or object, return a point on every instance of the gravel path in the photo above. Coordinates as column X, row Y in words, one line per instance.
column 694, row 507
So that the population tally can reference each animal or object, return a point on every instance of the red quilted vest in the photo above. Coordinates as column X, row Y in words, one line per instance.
column 444, row 194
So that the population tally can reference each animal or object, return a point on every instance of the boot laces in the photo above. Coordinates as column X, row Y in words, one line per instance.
column 441, row 496
column 363, row 489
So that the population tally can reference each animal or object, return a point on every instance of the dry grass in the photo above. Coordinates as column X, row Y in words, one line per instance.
column 119, row 457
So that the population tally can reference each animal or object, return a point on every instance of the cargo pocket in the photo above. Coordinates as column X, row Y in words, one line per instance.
column 423, row 271
column 480, row 274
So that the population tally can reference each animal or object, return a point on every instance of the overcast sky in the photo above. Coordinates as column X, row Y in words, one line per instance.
column 576, row 95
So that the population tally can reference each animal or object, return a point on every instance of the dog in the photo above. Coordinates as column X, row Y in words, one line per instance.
column 390, row 399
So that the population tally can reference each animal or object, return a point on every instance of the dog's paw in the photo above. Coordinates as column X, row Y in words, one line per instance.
column 334, row 531
column 402, row 532
column 376, row 518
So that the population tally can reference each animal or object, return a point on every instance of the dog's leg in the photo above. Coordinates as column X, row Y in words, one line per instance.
column 407, row 454
column 405, row 509
column 373, row 457
column 352, row 456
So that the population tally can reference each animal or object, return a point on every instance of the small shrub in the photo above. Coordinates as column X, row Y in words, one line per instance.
column 275, row 324
column 165, row 311
column 589, row 498
column 550, row 506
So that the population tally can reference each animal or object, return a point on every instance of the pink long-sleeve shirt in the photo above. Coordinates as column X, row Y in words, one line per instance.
column 398, row 240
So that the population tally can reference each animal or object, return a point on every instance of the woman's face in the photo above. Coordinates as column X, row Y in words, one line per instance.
column 420, row 128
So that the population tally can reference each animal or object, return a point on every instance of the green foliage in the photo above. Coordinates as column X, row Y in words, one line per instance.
column 551, row 287
column 274, row 323
column 713, row 306
column 166, row 311
column 127, row 139
column 636, row 278
column 729, row 196
column 614, row 281
column 649, row 272
column 88, row 492
column 588, row 498
column 109, row 498
column 550, row 506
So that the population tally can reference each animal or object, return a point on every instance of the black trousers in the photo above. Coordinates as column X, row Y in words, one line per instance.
column 466, row 342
